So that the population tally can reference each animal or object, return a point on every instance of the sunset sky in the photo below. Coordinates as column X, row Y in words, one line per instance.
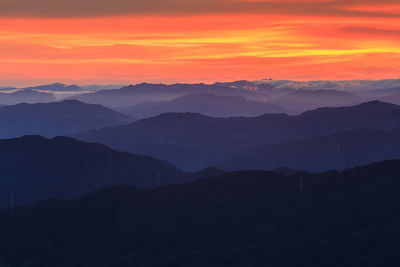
column 131, row 41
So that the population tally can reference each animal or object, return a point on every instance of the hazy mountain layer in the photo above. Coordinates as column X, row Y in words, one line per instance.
column 395, row 99
column 57, row 118
column 207, row 104
column 135, row 94
column 25, row 96
column 304, row 100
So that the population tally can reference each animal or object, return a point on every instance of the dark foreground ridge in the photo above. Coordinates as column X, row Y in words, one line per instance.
column 247, row 218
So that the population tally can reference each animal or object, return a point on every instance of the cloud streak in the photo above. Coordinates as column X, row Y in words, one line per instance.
column 391, row 33
column 100, row 8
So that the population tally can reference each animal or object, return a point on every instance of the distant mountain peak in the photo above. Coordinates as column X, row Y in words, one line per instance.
column 57, row 84
column 75, row 102
column 72, row 101
column 55, row 87
column 29, row 138
column 181, row 115
column 377, row 103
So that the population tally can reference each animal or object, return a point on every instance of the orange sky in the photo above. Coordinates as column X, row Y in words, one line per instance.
column 203, row 41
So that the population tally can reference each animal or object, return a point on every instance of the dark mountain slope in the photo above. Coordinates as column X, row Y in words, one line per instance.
column 207, row 104
column 195, row 141
column 36, row 168
column 337, row 151
column 57, row 118
column 369, row 115
column 248, row 218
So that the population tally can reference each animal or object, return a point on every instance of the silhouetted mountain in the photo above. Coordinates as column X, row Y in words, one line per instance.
column 207, row 104
column 135, row 94
column 303, row 100
column 57, row 118
column 206, row 172
column 25, row 96
column 247, row 218
column 35, row 168
column 338, row 151
column 194, row 141
column 57, row 87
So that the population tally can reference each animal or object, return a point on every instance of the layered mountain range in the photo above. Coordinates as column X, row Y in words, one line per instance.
column 245, row 173
column 194, row 141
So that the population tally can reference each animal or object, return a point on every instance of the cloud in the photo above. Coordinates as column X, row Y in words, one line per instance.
column 393, row 33
column 99, row 8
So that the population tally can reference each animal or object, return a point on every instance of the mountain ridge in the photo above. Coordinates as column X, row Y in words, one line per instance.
column 56, row 118
column 204, row 103
column 194, row 141
column 338, row 151
column 63, row 167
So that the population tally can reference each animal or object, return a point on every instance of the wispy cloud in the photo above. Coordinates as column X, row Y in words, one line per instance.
column 96, row 8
